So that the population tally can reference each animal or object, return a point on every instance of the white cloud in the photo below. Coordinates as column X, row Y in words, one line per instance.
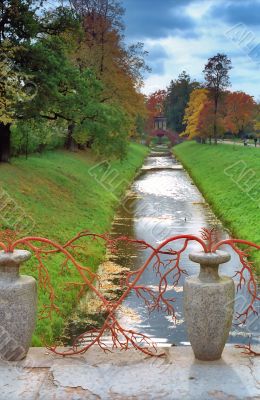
column 191, row 54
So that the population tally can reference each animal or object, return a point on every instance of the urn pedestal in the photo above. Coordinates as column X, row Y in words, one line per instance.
column 18, row 306
column 209, row 306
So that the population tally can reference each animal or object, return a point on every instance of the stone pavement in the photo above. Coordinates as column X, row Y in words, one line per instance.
column 130, row 375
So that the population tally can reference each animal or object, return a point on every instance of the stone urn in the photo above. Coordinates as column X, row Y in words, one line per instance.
column 18, row 306
column 209, row 306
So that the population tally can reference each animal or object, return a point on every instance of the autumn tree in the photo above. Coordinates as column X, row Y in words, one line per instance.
column 155, row 105
column 200, row 116
column 101, row 48
column 257, row 119
column 240, row 109
column 207, row 120
column 192, row 118
column 69, row 65
column 99, row 19
column 177, row 98
column 216, row 74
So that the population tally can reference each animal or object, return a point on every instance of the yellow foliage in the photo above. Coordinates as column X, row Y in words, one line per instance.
column 11, row 84
column 104, row 54
column 198, row 98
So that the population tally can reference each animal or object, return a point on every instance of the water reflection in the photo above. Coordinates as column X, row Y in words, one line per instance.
column 163, row 203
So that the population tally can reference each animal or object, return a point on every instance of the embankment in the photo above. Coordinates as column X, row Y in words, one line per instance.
column 229, row 178
column 61, row 194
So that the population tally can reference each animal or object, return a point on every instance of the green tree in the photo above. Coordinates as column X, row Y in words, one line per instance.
column 24, row 23
column 177, row 98
column 75, row 96
column 18, row 24
column 53, row 74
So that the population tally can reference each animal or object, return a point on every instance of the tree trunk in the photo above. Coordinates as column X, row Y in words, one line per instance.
column 215, row 129
column 5, row 142
column 26, row 145
column 70, row 144
column 89, row 143
column 215, row 120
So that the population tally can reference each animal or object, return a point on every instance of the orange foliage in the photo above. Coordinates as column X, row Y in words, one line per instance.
column 240, row 109
column 206, row 119
column 100, row 47
column 155, row 105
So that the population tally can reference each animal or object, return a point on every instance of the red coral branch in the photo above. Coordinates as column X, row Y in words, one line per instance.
column 247, row 350
column 246, row 276
column 112, row 307
column 169, row 271
column 4, row 247
column 42, row 270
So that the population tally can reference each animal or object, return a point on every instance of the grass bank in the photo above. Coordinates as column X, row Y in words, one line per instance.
column 65, row 193
column 229, row 178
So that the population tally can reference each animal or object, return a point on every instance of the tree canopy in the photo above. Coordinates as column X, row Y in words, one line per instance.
column 68, row 65
column 177, row 98
column 216, row 73
column 240, row 109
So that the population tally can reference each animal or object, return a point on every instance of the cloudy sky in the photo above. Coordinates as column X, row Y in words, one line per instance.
column 183, row 34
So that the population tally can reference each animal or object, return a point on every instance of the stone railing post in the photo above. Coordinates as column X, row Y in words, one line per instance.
column 209, row 306
column 18, row 306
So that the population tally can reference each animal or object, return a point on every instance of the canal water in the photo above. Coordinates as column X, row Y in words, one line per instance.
column 162, row 202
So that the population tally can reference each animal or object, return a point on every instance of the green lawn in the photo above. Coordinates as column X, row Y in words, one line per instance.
column 66, row 193
column 229, row 178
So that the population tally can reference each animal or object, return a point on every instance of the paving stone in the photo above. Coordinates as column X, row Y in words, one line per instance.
column 130, row 375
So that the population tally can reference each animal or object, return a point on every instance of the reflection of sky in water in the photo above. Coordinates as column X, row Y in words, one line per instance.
column 170, row 184
column 159, row 162
column 163, row 204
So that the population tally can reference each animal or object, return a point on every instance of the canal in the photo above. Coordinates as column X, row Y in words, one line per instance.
column 162, row 202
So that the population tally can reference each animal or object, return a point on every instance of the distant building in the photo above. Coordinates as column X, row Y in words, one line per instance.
column 160, row 130
column 160, row 123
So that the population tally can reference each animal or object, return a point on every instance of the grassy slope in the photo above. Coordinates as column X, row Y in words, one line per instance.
column 58, row 192
column 234, row 197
